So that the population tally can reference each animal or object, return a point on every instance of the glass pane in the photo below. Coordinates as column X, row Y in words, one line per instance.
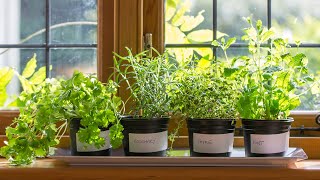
column 22, row 21
column 17, row 59
column 230, row 15
column 188, row 21
column 65, row 60
column 299, row 20
column 310, row 101
column 73, row 21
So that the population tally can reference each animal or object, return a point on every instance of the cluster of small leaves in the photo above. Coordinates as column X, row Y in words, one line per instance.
column 205, row 91
column 85, row 97
column 34, row 132
column 147, row 79
column 272, row 75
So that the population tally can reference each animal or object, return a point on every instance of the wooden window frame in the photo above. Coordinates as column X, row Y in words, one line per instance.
column 122, row 23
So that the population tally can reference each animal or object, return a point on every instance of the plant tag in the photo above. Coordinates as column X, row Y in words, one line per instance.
column 212, row 143
column 269, row 143
column 147, row 143
column 83, row 147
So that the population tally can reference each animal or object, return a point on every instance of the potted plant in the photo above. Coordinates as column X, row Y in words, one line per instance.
column 146, row 129
column 272, row 76
column 55, row 104
column 206, row 93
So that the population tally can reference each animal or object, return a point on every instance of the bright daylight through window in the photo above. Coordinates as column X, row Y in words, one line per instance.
column 191, row 26
column 59, row 36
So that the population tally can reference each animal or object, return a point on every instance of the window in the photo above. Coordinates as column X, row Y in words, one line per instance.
column 62, row 33
column 297, row 22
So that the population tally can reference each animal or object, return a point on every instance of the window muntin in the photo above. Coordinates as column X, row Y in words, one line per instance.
column 226, row 16
column 63, row 34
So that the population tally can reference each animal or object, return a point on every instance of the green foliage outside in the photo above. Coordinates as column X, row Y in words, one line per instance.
column 29, row 79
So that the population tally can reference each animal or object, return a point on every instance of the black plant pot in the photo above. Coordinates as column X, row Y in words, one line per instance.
column 145, row 137
column 81, row 149
column 211, row 137
column 266, row 138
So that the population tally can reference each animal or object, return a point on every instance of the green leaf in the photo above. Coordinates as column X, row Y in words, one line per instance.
column 259, row 24
column 3, row 97
column 6, row 74
column 205, row 35
column 230, row 42
column 215, row 43
column 266, row 35
column 30, row 67
column 229, row 71
column 178, row 19
column 205, row 52
column 191, row 22
column 26, row 85
column 39, row 76
column 204, row 64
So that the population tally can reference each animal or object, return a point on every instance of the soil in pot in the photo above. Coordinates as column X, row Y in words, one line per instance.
column 211, row 137
column 266, row 138
column 145, row 137
column 82, row 149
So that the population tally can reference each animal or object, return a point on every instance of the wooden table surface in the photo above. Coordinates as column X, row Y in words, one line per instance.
column 49, row 169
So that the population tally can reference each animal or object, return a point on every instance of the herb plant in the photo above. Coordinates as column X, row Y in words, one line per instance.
column 35, row 131
column 147, row 79
column 205, row 89
column 272, row 75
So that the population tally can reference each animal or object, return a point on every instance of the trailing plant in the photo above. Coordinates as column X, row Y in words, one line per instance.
column 147, row 79
column 206, row 89
column 272, row 75
column 35, row 131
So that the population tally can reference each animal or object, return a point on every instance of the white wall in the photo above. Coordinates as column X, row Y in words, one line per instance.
column 10, row 34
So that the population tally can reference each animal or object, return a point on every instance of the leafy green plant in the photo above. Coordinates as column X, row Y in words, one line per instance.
column 272, row 75
column 206, row 89
column 35, row 131
column 147, row 79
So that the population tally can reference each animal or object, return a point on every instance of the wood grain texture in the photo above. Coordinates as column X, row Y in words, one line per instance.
column 106, row 38
column 153, row 22
column 53, row 169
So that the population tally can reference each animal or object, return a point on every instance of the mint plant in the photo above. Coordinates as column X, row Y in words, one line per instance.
column 272, row 75
column 35, row 131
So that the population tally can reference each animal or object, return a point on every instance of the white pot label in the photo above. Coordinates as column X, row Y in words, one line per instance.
column 269, row 144
column 147, row 143
column 212, row 143
column 84, row 147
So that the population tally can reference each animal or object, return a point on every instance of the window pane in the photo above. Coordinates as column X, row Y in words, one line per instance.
column 188, row 21
column 299, row 20
column 73, row 21
column 65, row 60
column 22, row 21
column 310, row 101
column 17, row 59
column 231, row 13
